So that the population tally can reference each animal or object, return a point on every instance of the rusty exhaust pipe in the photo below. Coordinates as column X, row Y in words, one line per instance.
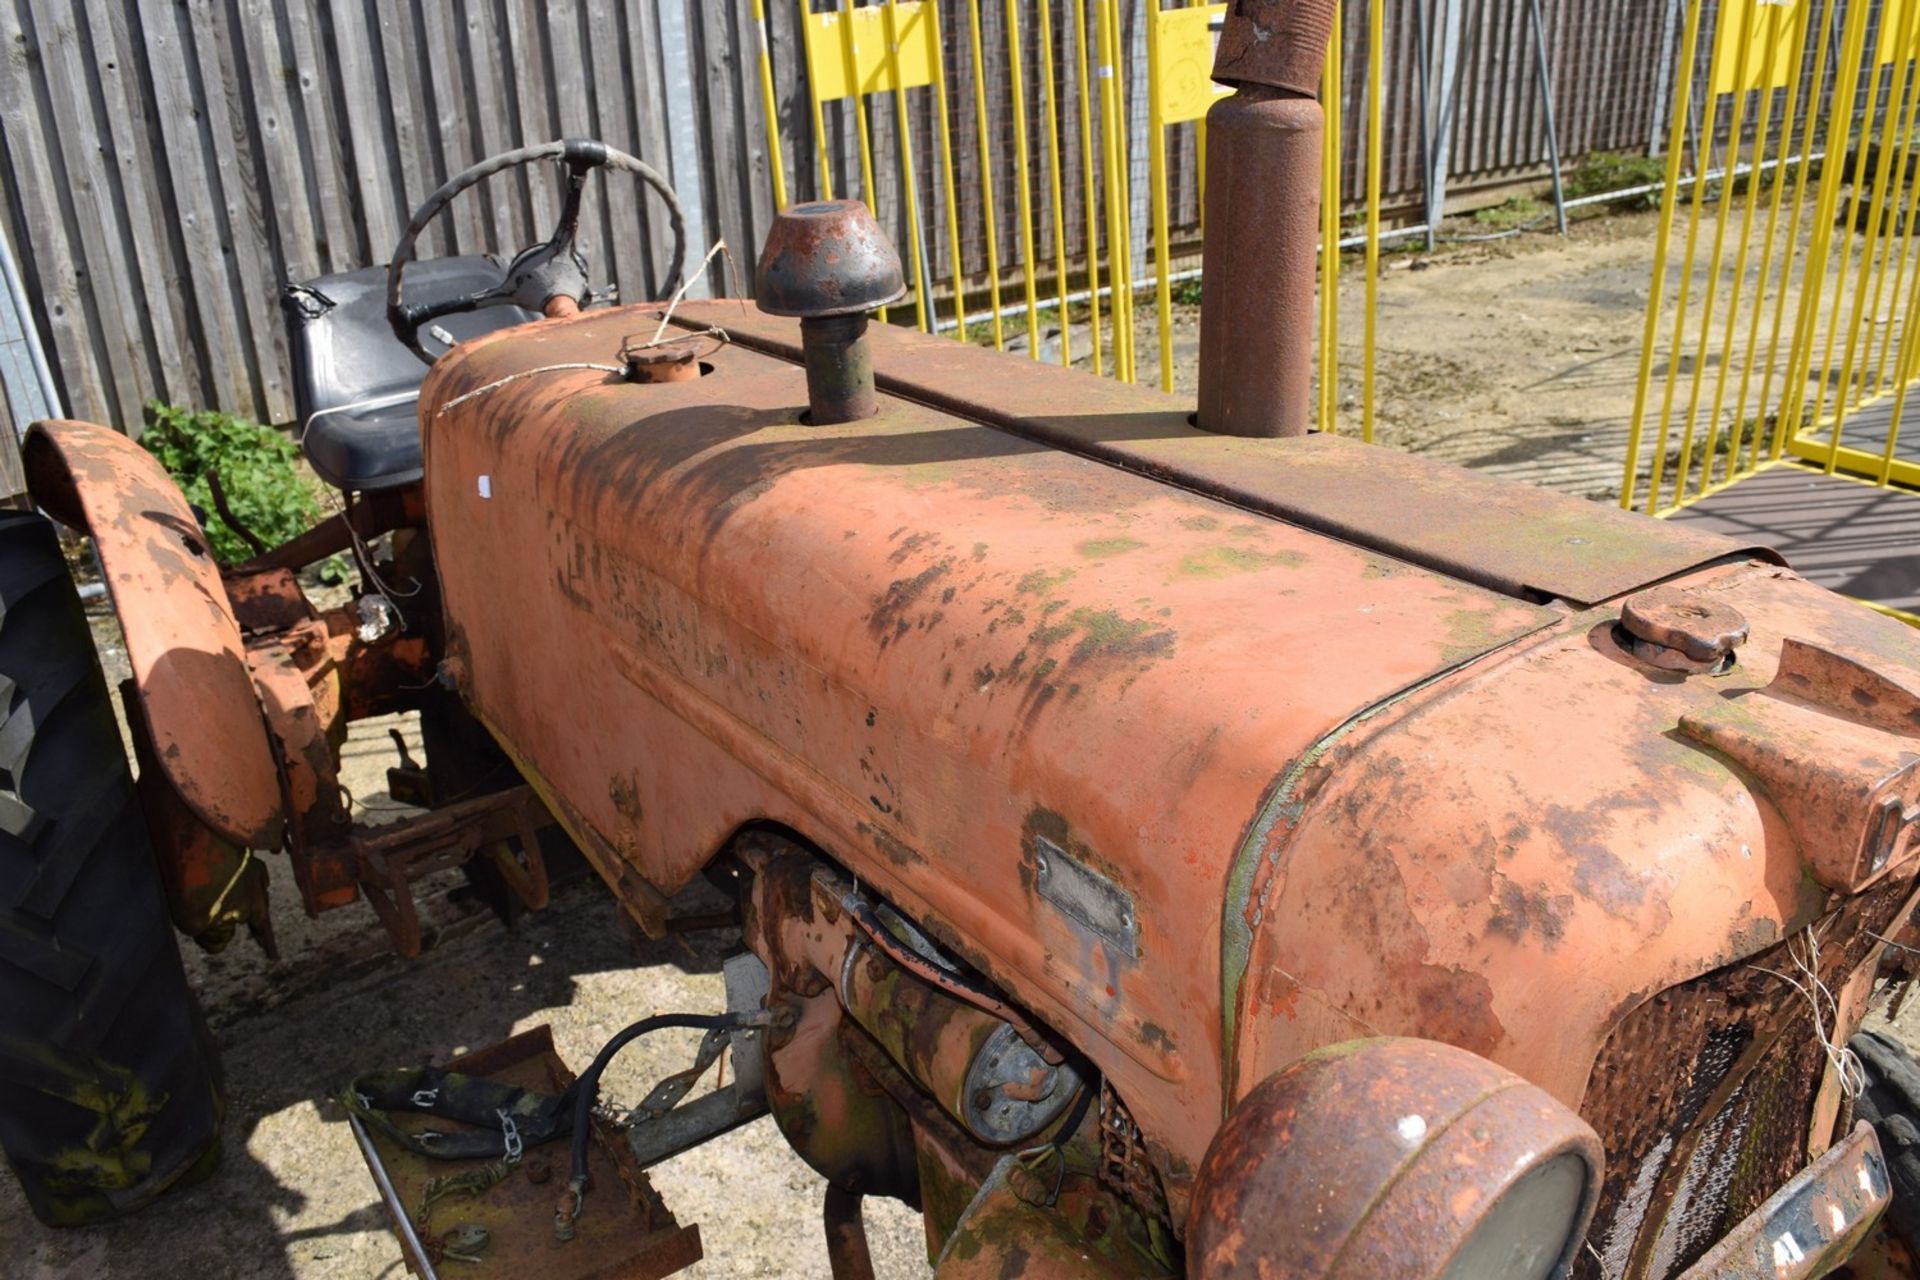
column 829, row 263
column 1263, row 214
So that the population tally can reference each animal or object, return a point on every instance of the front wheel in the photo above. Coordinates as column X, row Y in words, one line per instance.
column 107, row 1081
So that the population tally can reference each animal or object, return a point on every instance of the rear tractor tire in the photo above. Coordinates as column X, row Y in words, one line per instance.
column 108, row 1091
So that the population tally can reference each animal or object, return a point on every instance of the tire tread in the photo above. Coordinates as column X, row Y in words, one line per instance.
column 110, row 1096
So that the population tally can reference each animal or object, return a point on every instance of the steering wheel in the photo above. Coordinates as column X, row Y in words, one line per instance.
column 549, row 278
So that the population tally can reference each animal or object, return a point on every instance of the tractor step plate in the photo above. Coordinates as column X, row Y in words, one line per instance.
column 624, row 1231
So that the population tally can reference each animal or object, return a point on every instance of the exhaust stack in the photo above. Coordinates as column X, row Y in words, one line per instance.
column 1263, row 215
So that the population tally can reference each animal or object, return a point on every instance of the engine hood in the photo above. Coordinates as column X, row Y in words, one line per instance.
column 1517, row 861
column 1004, row 650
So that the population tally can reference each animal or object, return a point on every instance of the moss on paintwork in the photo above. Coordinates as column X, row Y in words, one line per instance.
column 1470, row 633
column 1107, row 548
column 1040, row 582
column 1104, row 631
column 1218, row 562
column 1101, row 633
column 921, row 475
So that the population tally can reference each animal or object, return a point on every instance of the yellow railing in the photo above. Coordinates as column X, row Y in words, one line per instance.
column 896, row 48
column 1818, row 162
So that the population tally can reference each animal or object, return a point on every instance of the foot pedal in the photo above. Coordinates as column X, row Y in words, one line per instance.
column 460, row 1218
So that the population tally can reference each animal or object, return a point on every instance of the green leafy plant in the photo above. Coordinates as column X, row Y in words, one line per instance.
column 256, row 466
column 1514, row 212
column 1601, row 172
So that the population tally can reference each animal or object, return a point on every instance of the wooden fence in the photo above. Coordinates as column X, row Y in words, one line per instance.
column 169, row 164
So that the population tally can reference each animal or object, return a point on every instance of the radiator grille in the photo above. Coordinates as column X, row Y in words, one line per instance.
column 1704, row 1096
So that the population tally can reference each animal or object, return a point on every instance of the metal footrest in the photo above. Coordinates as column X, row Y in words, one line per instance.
column 483, row 1225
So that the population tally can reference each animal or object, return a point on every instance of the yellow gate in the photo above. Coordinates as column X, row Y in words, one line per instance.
column 1788, row 336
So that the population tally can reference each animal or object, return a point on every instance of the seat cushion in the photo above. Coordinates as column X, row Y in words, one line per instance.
column 354, row 384
column 366, row 447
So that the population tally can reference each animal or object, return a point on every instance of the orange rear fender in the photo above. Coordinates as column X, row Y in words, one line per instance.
column 189, row 665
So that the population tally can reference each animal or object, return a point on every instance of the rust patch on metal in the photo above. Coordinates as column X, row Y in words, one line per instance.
column 1825, row 1212
column 630, row 1232
column 211, row 885
column 894, row 613
column 1818, row 742
column 1515, row 539
column 1256, row 314
column 1279, row 44
column 1538, row 911
column 1599, row 874
column 1704, row 1095
column 1680, row 630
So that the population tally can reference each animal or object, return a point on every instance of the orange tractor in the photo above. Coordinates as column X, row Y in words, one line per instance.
column 1162, row 843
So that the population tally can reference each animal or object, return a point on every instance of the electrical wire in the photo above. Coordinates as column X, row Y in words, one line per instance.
column 1056, row 1146
column 988, row 1001
column 586, row 1089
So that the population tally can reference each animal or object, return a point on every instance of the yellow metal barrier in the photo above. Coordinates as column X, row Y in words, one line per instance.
column 1116, row 187
column 1180, row 89
column 895, row 49
column 1089, row 195
column 1798, row 87
column 1022, row 179
column 990, row 219
column 1331, row 80
column 1376, row 146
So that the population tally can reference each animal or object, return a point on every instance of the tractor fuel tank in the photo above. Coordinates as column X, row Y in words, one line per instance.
column 1207, row 750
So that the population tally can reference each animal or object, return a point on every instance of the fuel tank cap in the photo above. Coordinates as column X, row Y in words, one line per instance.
column 1680, row 630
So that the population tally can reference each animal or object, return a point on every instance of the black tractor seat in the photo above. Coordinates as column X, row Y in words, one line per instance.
column 355, row 387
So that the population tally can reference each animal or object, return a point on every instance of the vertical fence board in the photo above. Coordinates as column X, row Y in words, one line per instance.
column 88, row 205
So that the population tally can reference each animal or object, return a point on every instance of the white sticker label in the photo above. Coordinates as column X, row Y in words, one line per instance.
column 486, row 486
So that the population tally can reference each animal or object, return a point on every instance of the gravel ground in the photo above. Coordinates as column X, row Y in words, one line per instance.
column 1513, row 357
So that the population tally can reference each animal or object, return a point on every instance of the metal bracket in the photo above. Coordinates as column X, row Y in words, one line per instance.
column 657, row 1134
column 387, row 860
